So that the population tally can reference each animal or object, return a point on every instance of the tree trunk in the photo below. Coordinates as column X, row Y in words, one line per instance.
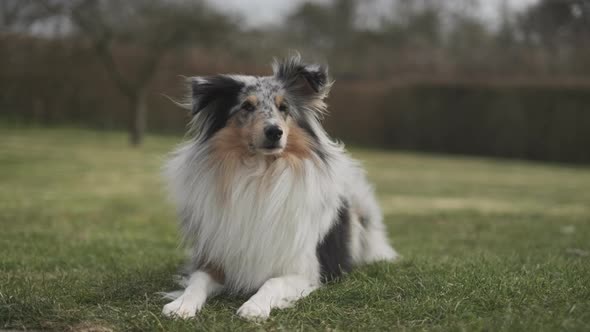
column 138, row 120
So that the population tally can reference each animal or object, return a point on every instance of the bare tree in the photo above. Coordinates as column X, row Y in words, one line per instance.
column 561, row 29
column 19, row 15
column 146, row 29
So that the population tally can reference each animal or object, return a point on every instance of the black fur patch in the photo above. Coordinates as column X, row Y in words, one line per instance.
column 215, row 96
column 315, row 79
column 334, row 251
column 300, row 78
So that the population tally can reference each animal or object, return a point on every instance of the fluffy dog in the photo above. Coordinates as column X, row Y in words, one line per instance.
column 269, row 204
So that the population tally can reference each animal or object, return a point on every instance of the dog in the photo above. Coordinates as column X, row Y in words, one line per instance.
column 268, row 203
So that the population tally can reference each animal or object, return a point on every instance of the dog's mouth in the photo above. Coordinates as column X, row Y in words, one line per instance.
column 269, row 149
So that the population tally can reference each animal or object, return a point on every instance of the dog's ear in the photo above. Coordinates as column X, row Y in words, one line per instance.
column 301, row 79
column 212, row 99
column 214, row 92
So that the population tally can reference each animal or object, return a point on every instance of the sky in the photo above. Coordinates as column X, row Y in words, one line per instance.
column 265, row 12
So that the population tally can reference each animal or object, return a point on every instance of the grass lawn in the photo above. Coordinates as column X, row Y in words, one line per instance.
column 87, row 238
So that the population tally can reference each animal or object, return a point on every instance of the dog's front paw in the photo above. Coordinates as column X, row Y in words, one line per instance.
column 181, row 308
column 254, row 312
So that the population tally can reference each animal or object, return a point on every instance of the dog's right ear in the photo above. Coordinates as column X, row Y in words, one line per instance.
column 305, row 81
column 214, row 93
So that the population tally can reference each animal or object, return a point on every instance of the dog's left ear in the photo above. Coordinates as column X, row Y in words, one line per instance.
column 301, row 79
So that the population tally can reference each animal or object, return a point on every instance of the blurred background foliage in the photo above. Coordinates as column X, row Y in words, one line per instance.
column 423, row 75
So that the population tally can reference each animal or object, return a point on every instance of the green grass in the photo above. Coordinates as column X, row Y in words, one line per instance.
column 87, row 239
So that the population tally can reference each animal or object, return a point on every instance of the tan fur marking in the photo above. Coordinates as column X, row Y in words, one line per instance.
column 298, row 143
column 252, row 99
column 230, row 147
column 298, row 147
column 215, row 272
column 279, row 100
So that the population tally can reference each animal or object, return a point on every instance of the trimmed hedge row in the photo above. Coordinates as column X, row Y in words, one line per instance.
column 536, row 122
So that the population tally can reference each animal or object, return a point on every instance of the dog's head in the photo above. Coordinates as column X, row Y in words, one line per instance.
column 261, row 115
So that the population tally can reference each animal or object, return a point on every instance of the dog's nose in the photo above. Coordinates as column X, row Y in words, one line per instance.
column 273, row 133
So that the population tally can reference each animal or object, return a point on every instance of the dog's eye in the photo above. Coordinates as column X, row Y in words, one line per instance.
column 247, row 106
column 283, row 108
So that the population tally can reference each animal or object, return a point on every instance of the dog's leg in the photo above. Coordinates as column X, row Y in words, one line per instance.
column 200, row 286
column 377, row 248
column 281, row 292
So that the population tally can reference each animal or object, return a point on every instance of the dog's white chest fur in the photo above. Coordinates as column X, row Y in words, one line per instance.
column 266, row 223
